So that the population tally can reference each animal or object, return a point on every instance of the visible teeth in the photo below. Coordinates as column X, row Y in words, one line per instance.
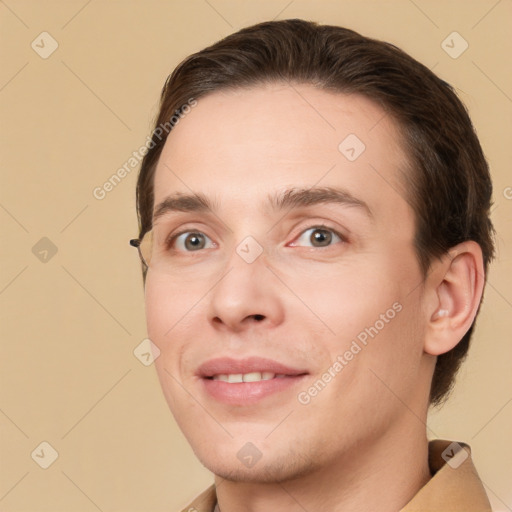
column 252, row 377
column 221, row 377
column 246, row 377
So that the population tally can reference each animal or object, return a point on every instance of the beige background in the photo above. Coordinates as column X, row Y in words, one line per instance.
column 70, row 323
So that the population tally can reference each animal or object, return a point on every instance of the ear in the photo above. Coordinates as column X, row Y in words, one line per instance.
column 455, row 288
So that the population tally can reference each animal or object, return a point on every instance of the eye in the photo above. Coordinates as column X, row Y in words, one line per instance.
column 319, row 236
column 190, row 241
column 193, row 241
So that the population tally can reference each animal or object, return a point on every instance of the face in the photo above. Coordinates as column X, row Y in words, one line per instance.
column 300, row 280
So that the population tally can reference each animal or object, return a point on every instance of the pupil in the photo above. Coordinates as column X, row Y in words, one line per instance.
column 193, row 241
column 320, row 235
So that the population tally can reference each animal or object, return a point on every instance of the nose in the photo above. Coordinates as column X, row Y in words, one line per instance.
column 247, row 295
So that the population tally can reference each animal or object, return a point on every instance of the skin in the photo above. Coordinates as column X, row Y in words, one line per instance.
column 360, row 443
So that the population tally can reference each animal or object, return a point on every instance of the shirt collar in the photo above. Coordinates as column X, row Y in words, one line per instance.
column 455, row 485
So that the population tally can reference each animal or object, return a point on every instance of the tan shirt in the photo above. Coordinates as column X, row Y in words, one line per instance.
column 455, row 486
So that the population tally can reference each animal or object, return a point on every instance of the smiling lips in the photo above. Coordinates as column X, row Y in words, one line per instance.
column 246, row 381
column 249, row 366
column 247, row 377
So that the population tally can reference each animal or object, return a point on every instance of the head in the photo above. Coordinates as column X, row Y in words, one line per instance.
column 273, row 120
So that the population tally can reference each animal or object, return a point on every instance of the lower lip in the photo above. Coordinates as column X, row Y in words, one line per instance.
column 247, row 393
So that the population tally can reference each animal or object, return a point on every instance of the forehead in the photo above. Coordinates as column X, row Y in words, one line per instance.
column 240, row 145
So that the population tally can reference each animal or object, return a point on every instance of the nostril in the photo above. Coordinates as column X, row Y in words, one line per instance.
column 258, row 317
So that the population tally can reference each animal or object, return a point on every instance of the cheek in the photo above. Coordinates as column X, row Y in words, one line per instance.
column 165, row 313
column 171, row 319
column 166, row 303
column 365, row 314
column 157, row 310
column 346, row 299
column 389, row 363
column 164, row 318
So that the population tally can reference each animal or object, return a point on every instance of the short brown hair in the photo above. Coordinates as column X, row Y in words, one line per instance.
column 448, row 183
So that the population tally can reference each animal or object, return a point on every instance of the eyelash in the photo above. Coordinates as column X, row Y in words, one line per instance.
column 172, row 238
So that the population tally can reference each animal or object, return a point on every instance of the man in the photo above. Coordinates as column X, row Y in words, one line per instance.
column 314, row 235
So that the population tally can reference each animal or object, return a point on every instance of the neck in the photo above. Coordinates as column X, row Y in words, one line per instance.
column 382, row 475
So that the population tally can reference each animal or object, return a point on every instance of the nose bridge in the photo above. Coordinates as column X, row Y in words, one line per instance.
column 245, row 272
column 246, row 290
column 247, row 256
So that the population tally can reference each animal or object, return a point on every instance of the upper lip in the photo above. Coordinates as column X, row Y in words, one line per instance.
column 227, row 365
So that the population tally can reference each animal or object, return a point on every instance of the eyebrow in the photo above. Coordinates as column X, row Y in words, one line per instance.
column 290, row 199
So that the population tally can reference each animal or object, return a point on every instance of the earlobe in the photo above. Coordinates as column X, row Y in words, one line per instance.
column 457, row 286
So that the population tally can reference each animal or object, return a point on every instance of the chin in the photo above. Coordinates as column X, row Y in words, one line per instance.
column 277, row 470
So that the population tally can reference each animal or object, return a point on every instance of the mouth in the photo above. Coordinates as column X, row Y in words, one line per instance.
column 247, row 381
column 234, row 378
